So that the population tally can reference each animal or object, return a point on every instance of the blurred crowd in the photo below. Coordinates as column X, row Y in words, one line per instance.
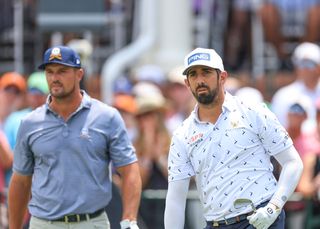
column 154, row 102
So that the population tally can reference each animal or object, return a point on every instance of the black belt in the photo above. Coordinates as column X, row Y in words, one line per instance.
column 229, row 221
column 79, row 217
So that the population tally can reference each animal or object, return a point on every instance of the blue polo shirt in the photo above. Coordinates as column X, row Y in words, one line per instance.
column 70, row 160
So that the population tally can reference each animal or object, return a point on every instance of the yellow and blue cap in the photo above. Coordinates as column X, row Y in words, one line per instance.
column 61, row 55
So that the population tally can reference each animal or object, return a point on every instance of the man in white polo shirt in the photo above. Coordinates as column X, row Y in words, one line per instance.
column 227, row 144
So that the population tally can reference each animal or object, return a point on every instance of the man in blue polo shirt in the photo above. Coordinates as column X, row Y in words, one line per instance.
column 63, row 154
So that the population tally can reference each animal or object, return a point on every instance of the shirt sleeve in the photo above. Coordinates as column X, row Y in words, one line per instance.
column 23, row 161
column 272, row 134
column 121, row 149
column 291, row 171
column 174, row 215
column 179, row 165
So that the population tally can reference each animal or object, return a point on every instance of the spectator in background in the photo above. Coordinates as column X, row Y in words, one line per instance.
column 296, row 116
column 12, row 94
column 239, row 35
column 36, row 96
column 251, row 95
column 84, row 48
column 6, row 158
column 124, row 101
column 12, row 90
column 180, row 100
column 275, row 14
column 127, row 107
column 149, row 73
column 232, row 85
column 309, row 185
column 152, row 141
column 306, row 59
column 152, row 146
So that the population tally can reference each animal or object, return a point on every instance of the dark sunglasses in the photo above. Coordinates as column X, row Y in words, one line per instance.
column 12, row 90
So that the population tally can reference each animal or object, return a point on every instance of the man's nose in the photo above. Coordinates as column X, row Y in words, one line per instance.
column 200, row 78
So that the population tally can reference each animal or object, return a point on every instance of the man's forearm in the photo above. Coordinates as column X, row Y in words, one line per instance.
column 131, row 191
column 19, row 195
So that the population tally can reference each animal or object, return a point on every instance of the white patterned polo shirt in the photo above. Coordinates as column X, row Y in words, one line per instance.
column 230, row 159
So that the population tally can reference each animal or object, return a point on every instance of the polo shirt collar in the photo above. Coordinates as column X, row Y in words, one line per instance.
column 85, row 102
column 226, row 106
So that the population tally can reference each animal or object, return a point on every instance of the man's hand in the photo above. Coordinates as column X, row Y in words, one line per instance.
column 264, row 217
column 127, row 224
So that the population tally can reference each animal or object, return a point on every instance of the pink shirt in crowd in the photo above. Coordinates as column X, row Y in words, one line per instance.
column 308, row 143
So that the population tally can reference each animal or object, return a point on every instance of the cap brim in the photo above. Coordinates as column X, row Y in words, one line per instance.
column 34, row 90
column 191, row 66
column 186, row 71
column 43, row 66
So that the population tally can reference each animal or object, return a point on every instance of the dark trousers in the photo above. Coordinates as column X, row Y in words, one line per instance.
column 278, row 224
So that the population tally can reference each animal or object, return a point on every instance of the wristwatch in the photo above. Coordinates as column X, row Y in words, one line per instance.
column 125, row 224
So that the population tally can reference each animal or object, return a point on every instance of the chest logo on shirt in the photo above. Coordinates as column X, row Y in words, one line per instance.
column 84, row 134
column 234, row 123
column 195, row 139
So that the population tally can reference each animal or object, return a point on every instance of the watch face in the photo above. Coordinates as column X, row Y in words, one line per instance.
column 125, row 224
column 270, row 211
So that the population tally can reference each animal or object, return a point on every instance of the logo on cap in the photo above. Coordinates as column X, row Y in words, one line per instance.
column 198, row 56
column 55, row 54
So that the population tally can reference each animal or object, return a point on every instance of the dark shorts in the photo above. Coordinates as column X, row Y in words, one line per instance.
column 244, row 224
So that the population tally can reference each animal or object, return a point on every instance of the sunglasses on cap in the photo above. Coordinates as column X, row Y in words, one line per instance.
column 306, row 64
column 296, row 109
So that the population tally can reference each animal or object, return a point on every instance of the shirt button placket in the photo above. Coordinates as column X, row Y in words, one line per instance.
column 65, row 131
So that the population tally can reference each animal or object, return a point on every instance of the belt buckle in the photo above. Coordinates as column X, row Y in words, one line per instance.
column 77, row 216
column 66, row 219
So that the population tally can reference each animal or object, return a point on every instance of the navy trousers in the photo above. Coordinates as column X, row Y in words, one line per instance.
column 278, row 224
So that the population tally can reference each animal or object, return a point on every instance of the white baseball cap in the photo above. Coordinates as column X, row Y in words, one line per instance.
column 306, row 51
column 204, row 57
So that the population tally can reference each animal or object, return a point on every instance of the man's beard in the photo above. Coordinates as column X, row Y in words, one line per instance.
column 207, row 98
column 63, row 94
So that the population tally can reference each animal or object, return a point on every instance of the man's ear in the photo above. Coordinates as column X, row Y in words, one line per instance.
column 224, row 76
column 80, row 74
column 186, row 81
